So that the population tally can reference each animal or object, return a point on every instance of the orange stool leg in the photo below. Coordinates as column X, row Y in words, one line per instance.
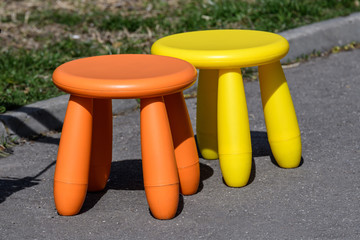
column 101, row 149
column 73, row 160
column 186, row 154
column 161, row 179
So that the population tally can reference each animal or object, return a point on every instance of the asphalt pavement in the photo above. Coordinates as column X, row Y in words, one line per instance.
column 318, row 200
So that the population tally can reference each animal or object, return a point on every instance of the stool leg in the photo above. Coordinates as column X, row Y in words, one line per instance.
column 101, row 149
column 186, row 154
column 73, row 160
column 206, row 114
column 280, row 117
column 235, row 152
column 161, row 179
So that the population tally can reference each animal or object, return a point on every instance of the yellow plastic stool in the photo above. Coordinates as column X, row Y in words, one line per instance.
column 223, row 132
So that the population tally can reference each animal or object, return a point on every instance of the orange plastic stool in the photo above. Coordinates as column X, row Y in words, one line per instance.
column 169, row 151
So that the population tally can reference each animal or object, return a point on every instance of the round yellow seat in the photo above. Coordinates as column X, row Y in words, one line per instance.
column 222, row 119
column 223, row 49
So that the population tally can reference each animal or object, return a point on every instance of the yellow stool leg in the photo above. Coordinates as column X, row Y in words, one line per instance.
column 73, row 160
column 101, row 150
column 235, row 152
column 280, row 118
column 206, row 114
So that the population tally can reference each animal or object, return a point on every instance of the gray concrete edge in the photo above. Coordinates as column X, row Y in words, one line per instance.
column 322, row 36
column 48, row 115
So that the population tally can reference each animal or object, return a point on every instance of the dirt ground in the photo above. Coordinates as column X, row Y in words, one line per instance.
column 18, row 32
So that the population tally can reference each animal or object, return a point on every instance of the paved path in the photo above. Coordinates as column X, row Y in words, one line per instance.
column 47, row 115
column 318, row 200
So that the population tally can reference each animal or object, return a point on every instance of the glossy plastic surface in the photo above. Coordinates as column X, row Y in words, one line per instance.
column 161, row 179
column 218, row 49
column 73, row 160
column 280, row 117
column 206, row 114
column 235, row 154
column 124, row 76
column 226, row 51
column 85, row 150
column 101, row 147
column 186, row 154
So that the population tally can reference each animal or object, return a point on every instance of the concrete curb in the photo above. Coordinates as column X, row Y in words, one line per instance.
column 322, row 36
column 47, row 115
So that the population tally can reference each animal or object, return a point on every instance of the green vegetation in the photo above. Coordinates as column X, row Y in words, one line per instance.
column 40, row 37
column 25, row 74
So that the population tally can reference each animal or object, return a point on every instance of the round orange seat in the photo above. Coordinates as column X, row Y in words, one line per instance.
column 124, row 76
column 169, row 155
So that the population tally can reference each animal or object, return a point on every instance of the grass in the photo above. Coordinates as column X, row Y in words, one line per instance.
column 25, row 73
column 40, row 35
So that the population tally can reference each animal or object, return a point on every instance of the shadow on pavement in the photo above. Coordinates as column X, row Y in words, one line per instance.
column 127, row 175
column 41, row 116
column 260, row 148
column 9, row 186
